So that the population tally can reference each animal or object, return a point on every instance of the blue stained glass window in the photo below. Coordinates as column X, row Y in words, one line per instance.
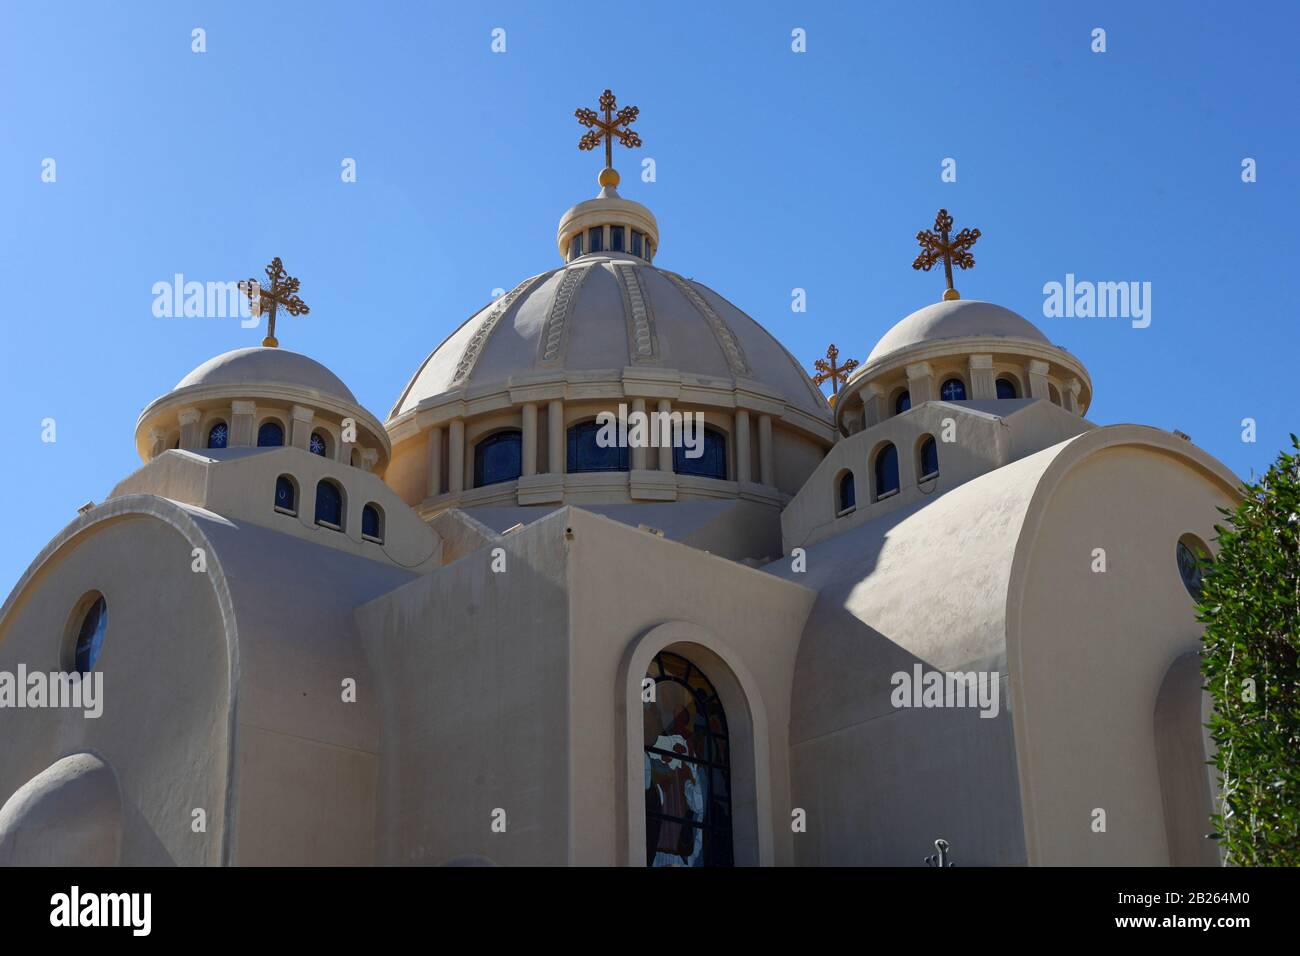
column 329, row 504
column 636, row 243
column 497, row 458
column 687, row 768
column 90, row 637
column 286, row 494
column 886, row 471
column 596, row 239
column 585, row 454
column 317, row 445
column 712, row 463
column 270, row 435
column 929, row 458
column 616, row 238
column 371, row 525
column 953, row 390
column 903, row 402
column 1007, row 388
column 848, row 494
column 1189, row 569
column 218, row 435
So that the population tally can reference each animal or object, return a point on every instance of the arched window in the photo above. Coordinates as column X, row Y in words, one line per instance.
column 90, row 635
column 218, row 435
column 1053, row 395
column 712, row 460
column 929, row 458
column 687, row 768
column 270, row 434
column 286, row 495
column 953, row 390
column 585, row 452
column 498, row 457
column 886, row 471
column 1007, row 389
column 903, row 402
column 372, row 522
column 329, row 505
column 1190, row 553
column 318, row 445
column 848, row 494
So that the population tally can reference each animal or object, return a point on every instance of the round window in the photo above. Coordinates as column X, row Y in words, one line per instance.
column 1189, row 553
column 90, row 635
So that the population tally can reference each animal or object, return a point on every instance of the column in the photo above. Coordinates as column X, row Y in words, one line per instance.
column 302, row 418
column 742, row 446
column 189, row 421
column 873, row 405
column 433, row 485
column 157, row 442
column 1070, row 397
column 765, row 451
column 666, row 449
column 920, row 383
column 982, row 383
column 529, row 465
column 1038, row 379
column 638, row 450
column 456, row 456
column 242, row 415
column 555, row 463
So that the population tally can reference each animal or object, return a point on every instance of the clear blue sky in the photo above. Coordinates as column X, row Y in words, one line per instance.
column 776, row 170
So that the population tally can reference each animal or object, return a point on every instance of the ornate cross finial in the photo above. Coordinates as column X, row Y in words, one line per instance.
column 607, row 129
column 829, row 370
column 955, row 251
column 282, row 293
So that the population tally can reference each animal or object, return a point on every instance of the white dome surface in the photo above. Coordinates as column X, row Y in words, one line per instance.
column 607, row 313
column 262, row 365
column 958, row 318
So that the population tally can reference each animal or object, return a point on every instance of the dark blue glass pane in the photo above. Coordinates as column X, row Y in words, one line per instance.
column 285, row 495
column 575, row 246
column 848, row 494
column 218, row 435
column 270, row 435
column 90, row 639
column 586, row 454
column 711, row 464
column 616, row 238
column 329, row 504
column 929, row 457
column 317, row 444
column 902, row 403
column 636, row 243
column 886, row 470
column 596, row 239
column 498, row 458
column 954, row 390
column 370, row 521
column 1006, row 388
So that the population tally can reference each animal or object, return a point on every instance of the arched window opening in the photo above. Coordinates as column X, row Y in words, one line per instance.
column 1007, row 388
column 929, row 458
column 1191, row 554
column 886, row 472
column 329, row 505
column 1053, row 395
column 270, row 434
column 372, row 523
column 90, row 633
column 218, row 435
column 318, row 445
column 585, row 452
column 498, row 457
column 903, row 402
column 847, row 493
column 953, row 390
column 286, row 495
column 687, row 768
column 712, row 461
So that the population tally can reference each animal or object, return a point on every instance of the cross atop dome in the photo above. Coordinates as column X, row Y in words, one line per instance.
column 937, row 245
column 282, row 293
column 607, row 129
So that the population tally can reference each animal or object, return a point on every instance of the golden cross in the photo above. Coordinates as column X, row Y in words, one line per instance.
column 282, row 293
column 609, row 127
column 828, row 369
column 955, row 251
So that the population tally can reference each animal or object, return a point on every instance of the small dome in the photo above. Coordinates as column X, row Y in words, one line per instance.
column 953, row 319
column 268, row 365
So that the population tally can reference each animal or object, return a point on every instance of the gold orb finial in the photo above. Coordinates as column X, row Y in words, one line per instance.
column 609, row 177
column 270, row 342
column 950, row 294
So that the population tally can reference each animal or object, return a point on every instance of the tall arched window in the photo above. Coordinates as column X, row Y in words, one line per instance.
column 687, row 768
column 848, row 494
column 585, row 452
column 329, row 505
column 218, row 435
column 712, row 461
column 286, row 494
column 903, row 402
column 928, row 458
column 270, row 434
column 498, row 457
column 953, row 390
column 318, row 445
column 1007, row 389
column 90, row 635
column 372, row 522
column 886, row 471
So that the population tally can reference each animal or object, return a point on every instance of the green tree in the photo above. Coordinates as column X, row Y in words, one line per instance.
column 1250, row 605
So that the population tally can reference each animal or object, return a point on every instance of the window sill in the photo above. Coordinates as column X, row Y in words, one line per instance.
column 285, row 511
column 930, row 477
column 887, row 494
column 846, row 511
column 326, row 524
column 371, row 538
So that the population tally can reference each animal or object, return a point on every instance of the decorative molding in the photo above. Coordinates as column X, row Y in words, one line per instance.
column 727, row 340
column 474, row 348
column 642, row 341
column 554, row 339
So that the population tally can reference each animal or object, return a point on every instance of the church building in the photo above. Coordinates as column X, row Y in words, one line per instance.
column 945, row 606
